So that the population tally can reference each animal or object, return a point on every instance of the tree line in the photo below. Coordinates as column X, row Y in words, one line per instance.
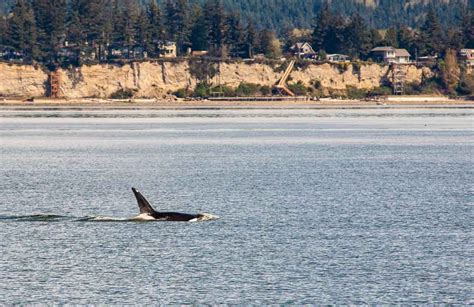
column 335, row 33
column 39, row 29
column 280, row 14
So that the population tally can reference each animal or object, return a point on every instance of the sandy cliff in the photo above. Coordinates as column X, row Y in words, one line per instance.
column 155, row 79
column 22, row 80
column 148, row 79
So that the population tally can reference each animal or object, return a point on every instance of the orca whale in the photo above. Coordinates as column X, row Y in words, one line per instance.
column 148, row 213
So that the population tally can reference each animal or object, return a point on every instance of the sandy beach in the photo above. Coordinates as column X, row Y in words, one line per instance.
column 390, row 102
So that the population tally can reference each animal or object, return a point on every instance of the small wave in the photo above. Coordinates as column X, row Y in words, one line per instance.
column 61, row 218
column 34, row 218
column 101, row 219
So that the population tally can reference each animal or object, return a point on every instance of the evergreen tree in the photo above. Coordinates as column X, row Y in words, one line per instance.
column 178, row 22
column 269, row 44
column 357, row 37
column 454, row 39
column 406, row 39
column 155, row 17
column 252, row 45
column 467, row 28
column 432, row 38
column 380, row 14
column 199, row 31
column 22, row 32
column 50, row 17
column 118, row 22
column 234, row 37
column 391, row 38
column 321, row 27
column 90, row 25
column 76, row 32
column 334, row 39
column 143, row 30
column 216, row 18
column 170, row 22
column 40, row 27
column 376, row 38
column 99, row 22
column 130, row 17
column 3, row 30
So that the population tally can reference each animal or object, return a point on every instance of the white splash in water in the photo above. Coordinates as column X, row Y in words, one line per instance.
column 106, row 219
column 205, row 217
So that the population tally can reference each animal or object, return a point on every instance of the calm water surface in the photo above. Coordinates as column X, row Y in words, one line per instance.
column 316, row 206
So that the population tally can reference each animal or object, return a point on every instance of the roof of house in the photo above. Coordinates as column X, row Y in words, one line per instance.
column 337, row 54
column 300, row 45
column 199, row 52
column 163, row 42
column 465, row 51
column 428, row 57
column 402, row 53
column 383, row 49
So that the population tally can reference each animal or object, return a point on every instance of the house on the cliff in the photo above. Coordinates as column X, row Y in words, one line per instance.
column 167, row 49
column 122, row 51
column 199, row 53
column 10, row 54
column 69, row 52
column 427, row 60
column 158, row 48
column 303, row 50
column 467, row 56
column 390, row 55
column 337, row 58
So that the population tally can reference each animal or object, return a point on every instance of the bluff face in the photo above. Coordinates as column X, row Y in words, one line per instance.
column 156, row 79
column 22, row 81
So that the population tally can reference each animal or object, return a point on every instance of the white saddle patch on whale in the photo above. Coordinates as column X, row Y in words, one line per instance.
column 143, row 217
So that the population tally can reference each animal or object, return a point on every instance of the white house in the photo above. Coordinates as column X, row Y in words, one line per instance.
column 167, row 49
column 391, row 55
column 467, row 55
column 303, row 50
column 337, row 58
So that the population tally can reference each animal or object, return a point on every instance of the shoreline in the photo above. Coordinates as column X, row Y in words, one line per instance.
column 94, row 104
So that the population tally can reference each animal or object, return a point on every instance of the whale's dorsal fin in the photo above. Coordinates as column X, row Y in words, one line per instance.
column 143, row 204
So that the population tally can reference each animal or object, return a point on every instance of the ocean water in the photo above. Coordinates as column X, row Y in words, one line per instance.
column 348, row 206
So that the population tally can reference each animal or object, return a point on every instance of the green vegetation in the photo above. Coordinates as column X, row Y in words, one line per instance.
column 299, row 89
column 466, row 85
column 39, row 29
column 355, row 93
column 247, row 89
column 124, row 93
column 334, row 33
column 203, row 70
column 204, row 90
column 182, row 93
column 273, row 14
column 74, row 32
column 432, row 86
column 380, row 91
